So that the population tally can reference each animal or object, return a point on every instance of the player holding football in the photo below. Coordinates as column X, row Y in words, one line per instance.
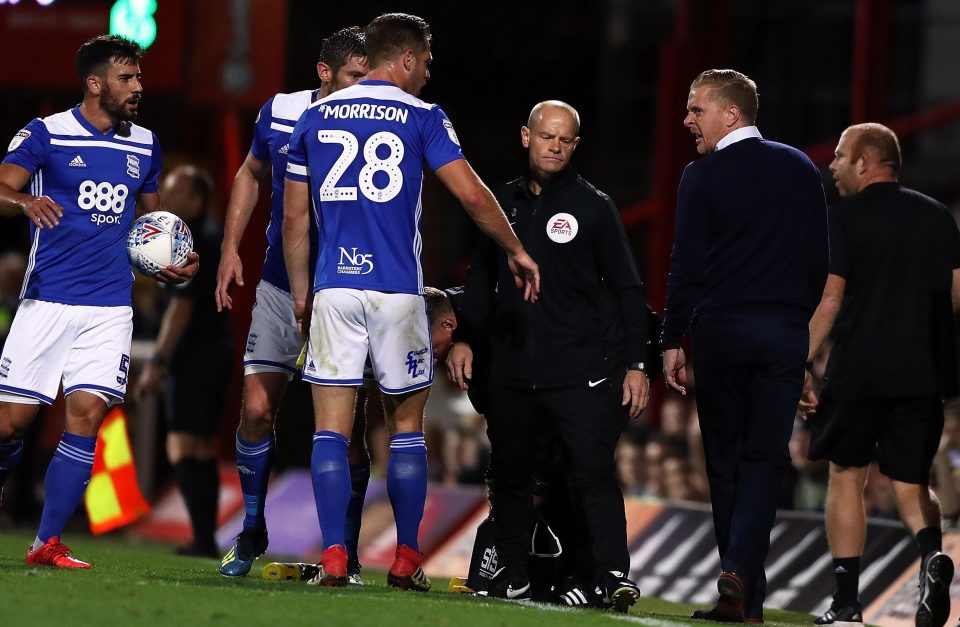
column 87, row 168
column 357, row 157
column 274, row 343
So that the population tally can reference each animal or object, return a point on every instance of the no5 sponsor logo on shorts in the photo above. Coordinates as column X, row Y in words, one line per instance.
column 353, row 262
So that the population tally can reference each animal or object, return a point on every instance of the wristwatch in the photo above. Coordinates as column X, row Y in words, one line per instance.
column 637, row 365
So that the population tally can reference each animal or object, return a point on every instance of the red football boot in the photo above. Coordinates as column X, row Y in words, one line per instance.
column 406, row 573
column 334, row 561
column 53, row 553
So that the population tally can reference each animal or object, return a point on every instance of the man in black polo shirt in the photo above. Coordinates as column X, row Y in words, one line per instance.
column 558, row 361
column 895, row 260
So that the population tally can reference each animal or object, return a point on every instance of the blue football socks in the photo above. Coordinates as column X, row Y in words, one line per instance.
column 67, row 477
column 254, row 462
column 407, row 484
column 359, row 478
column 330, row 472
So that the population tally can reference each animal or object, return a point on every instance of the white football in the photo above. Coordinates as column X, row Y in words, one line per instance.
column 157, row 240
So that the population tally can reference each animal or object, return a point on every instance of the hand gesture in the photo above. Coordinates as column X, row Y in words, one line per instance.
column 675, row 369
column 43, row 212
column 460, row 364
column 808, row 398
column 231, row 269
column 636, row 391
column 150, row 382
column 526, row 275
column 176, row 275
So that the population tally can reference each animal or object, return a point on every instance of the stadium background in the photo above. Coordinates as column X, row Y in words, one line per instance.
column 625, row 64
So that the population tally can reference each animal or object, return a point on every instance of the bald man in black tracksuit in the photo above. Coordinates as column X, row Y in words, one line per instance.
column 563, row 359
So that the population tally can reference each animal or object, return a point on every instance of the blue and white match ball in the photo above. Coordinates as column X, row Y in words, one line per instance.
column 157, row 240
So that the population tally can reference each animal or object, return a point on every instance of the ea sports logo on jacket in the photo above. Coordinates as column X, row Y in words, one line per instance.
column 562, row 228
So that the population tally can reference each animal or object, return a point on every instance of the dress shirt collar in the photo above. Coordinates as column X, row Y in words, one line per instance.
column 745, row 132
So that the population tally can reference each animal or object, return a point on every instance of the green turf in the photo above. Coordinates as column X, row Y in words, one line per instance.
column 145, row 584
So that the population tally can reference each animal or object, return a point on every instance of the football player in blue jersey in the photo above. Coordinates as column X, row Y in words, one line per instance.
column 274, row 343
column 357, row 158
column 87, row 168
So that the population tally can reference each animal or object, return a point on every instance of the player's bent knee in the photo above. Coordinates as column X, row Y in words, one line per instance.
column 256, row 420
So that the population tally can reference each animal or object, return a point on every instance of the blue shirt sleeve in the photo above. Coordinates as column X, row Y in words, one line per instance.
column 297, row 169
column 440, row 142
column 29, row 147
column 152, row 183
column 260, row 148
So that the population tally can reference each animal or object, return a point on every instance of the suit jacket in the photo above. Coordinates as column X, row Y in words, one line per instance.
column 751, row 232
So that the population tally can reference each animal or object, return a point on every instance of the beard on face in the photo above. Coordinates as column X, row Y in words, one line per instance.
column 117, row 108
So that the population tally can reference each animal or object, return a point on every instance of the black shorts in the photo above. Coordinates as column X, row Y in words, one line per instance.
column 196, row 387
column 901, row 434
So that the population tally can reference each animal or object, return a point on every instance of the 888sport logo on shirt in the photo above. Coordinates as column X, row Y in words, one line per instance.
column 104, row 200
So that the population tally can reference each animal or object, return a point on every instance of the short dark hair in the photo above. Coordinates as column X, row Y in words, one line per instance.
column 731, row 87
column 392, row 33
column 341, row 46
column 95, row 54
column 438, row 304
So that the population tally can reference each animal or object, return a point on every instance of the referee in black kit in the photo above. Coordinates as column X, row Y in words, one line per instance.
column 894, row 270
column 574, row 359
column 748, row 266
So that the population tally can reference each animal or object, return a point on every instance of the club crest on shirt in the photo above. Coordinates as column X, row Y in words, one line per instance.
column 18, row 139
column 133, row 166
column 562, row 227
column 447, row 124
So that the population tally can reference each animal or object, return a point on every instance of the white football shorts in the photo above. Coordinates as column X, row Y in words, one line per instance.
column 83, row 347
column 273, row 342
column 349, row 324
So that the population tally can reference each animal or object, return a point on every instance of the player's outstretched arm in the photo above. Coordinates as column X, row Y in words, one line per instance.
column 243, row 200
column 41, row 210
column 484, row 209
column 296, row 247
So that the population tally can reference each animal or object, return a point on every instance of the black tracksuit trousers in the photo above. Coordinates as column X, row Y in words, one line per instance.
column 589, row 421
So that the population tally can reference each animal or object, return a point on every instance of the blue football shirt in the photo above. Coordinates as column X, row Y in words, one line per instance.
column 271, row 137
column 362, row 149
column 96, row 177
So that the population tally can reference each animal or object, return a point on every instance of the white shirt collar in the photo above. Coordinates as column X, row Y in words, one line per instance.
column 745, row 132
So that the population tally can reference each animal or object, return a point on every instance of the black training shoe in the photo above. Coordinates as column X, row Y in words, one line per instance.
column 841, row 614
column 250, row 545
column 935, row 577
column 572, row 594
column 619, row 592
column 509, row 587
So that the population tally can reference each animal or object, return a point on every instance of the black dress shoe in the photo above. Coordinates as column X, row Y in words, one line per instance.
column 729, row 608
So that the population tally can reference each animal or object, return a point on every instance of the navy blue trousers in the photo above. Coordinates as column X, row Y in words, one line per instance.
column 749, row 376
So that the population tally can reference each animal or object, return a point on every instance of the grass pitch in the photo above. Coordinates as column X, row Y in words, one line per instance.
column 137, row 583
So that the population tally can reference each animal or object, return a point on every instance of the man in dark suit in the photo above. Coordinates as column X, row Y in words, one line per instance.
column 748, row 266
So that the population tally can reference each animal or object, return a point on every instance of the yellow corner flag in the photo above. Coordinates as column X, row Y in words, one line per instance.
column 113, row 498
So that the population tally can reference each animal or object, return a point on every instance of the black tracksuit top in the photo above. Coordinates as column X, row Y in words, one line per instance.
column 591, row 319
